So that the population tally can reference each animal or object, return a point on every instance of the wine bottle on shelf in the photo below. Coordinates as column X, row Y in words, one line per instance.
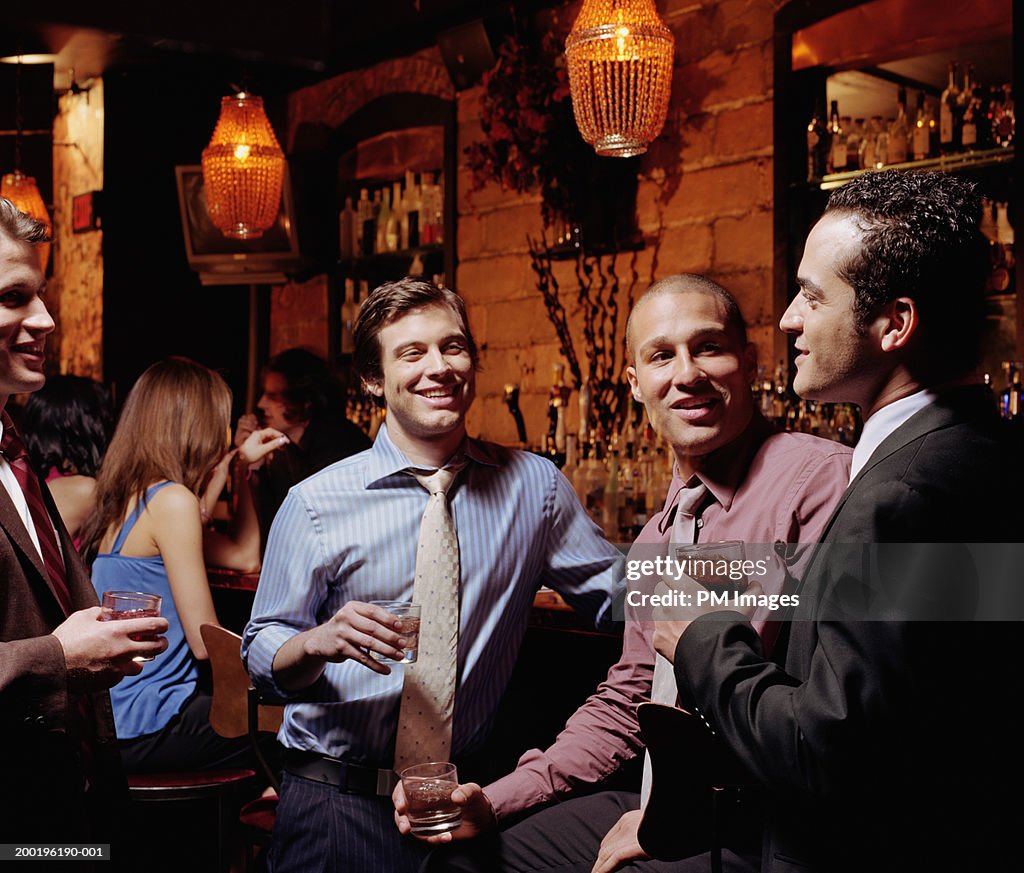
column 921, row 132
column 365, row 230
column 346, row 230
column 818, row 146
column 414, row 209
column 949, row 118
column 1004, row 120
column 969, row 121
column 855, row 133
column 868, row 142
column 1010, row 398
column 383, row 217
column 837, row 149
column 899, row 132
column 392, row 225
column 349, row 310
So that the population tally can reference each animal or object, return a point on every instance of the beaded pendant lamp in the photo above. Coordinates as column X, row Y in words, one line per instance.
column 23, row 192
column 243, row 167
column 620, row 74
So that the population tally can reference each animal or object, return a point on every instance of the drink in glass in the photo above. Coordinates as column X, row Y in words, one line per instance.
column 408, row 615
column 428, row 795
column 119, row 605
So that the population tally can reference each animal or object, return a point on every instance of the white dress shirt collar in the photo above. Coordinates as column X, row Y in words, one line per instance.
column 885, row 422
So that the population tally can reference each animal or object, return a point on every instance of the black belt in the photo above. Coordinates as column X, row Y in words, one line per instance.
column 349, row 778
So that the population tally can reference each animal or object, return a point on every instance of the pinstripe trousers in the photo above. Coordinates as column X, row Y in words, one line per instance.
column 322, row 830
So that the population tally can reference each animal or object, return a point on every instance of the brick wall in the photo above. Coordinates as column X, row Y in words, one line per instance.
column 703, row 205
column 75, row 290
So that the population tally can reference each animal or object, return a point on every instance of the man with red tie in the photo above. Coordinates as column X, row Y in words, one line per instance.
column 59, row 769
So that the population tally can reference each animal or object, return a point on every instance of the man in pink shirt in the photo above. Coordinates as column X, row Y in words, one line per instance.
column 692, row 367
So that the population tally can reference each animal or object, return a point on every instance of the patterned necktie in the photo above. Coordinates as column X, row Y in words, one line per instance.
column 428, row 693
column 14, row 450
column 663, row 686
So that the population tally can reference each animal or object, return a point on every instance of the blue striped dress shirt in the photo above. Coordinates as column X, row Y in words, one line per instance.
column 350, row 532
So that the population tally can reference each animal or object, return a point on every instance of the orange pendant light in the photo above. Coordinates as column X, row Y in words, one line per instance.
column 243, row 167
column 620, row 74
column 23, row 192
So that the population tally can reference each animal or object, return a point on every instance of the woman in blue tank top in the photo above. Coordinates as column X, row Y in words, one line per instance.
column 147, row 535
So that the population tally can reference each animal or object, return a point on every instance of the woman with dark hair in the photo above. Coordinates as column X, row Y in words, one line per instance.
column 303, row 400
column 66, row 425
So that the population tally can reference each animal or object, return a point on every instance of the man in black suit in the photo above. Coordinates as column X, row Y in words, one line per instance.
column 881, row 736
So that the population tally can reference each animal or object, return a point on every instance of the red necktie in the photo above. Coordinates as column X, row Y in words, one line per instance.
column 14, row 450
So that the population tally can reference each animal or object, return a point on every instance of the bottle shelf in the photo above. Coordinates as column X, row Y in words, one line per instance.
column 961, row 161
column 390, row 258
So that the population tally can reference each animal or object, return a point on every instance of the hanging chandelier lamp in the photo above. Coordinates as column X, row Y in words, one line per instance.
column 23, row 192
column 243, row 167
column 620, row 74
column 20, row 189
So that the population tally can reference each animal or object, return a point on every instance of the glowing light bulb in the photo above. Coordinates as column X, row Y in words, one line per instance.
column 241, row 151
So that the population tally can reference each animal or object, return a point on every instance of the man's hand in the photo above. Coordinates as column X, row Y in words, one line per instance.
column 670, row 622
column 620, row 844
column 477, row 814
column 353, row 632
column 246, row 425
column 260, row 444
column 98, row 654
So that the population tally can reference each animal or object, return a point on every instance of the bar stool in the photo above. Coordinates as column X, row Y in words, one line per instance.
column 194, row 788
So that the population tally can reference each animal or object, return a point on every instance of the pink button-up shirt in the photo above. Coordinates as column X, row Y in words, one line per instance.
column 768, row 487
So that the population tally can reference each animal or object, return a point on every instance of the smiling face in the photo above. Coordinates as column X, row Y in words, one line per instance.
column 428, row 382
column 692, row 373
column 24, row 321
column 837, row 359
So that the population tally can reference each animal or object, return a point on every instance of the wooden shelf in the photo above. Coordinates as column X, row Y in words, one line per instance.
column 949, row 163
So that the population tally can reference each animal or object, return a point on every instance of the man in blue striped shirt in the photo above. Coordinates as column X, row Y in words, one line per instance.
column 349, row 534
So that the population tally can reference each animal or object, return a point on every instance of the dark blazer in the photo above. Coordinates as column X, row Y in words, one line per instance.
column 41, row 767
column 885, row 744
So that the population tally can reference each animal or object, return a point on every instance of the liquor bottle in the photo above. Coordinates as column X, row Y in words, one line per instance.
column 921, row 131
column 383, row 217
column 571, row 460
column 899, row 132
column 413, row 210
column 393, row 222
column 968, row 124
column 365, row 228
column 854, row 138
column 1010, row 398
column 868, row 142
column 349, row 310
column 612, row 498
column 437, row 206
column 818, row 146
column 837, row 150
column 346, row 230
column 949, row 119
column 1004, row 119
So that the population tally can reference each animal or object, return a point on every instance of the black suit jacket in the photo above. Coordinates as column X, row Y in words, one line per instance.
column 44, row 797
column 885, row 742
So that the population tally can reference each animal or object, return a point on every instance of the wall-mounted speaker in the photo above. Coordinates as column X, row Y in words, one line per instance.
column 467, row 53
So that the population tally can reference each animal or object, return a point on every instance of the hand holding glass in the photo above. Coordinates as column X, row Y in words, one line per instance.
column 119, row 605
column 704, row 563
column 428, row 796
column 408, row 615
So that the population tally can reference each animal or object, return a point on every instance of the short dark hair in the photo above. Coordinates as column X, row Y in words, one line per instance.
column 311, row 391
column 67, row 424
column 21, row 227
column 389, row 302
column 920, row 238
column 682, row 283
